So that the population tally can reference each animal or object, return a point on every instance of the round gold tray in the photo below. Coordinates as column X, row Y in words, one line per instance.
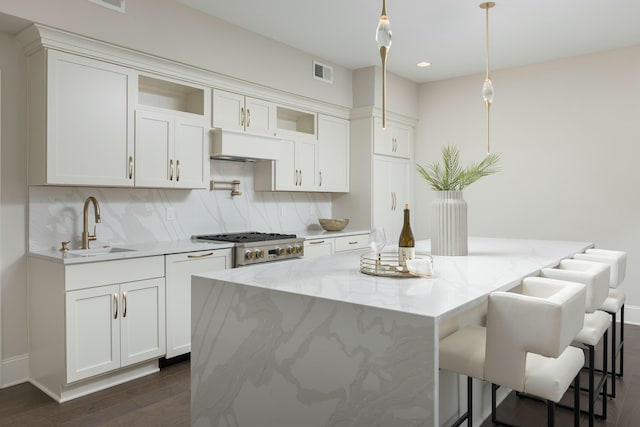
column 385, row 265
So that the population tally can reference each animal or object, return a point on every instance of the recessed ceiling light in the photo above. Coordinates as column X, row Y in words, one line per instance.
column 423, row 64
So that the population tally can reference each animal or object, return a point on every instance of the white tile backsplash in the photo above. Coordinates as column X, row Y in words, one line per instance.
column 132, row 215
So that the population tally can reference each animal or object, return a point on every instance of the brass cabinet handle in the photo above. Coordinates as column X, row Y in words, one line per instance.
column 300, row 177
column 124, row 304
column 242, row 116
column 392, row 200
column 177, row 170
column 115, row 302
column 296, row 178
column 171, row 170
column 248, row 117
column 320, row 179
column 353, row 243
column 316, row 242
column 200, row 255
column 130, row 167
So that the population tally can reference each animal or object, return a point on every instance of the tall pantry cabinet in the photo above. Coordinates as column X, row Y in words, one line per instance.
column 382, row 175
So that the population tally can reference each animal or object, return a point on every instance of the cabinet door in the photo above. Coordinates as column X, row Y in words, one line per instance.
column 89, row 132
column 154, row 149
column 333, row 154
column 228, row 110
column 395, row 140
column 142, row 320
column 260, row 116
column 286, row 172
column 179, row 268
column 191, row 154
column 318, row 247
column 306, row 164
column 92, row 331
column 392, row 184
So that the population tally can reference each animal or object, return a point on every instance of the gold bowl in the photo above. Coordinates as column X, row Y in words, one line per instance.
column 333, row 224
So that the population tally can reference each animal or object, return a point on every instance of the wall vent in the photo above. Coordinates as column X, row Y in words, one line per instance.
column 111, row 4
column 322, row 72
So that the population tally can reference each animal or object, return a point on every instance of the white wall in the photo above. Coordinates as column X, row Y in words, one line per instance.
column 13, row 206
column 569, row 134
column 171, row 30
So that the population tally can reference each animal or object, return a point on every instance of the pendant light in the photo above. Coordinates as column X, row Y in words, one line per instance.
column 383, row 38
column 487, row 87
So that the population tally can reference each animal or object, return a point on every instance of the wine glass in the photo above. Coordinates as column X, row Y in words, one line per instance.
column 377, row 240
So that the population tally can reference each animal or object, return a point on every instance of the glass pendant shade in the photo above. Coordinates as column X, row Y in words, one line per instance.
column 383, row 32
column 487, row 91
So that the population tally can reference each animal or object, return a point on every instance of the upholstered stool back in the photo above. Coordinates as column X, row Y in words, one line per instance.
column 543, row 319
column 616, row 259
column 594, row 275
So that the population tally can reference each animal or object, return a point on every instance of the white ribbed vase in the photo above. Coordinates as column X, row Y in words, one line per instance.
column 449, row 227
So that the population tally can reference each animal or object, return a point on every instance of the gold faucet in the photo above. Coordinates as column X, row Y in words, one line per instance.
column 86, row 237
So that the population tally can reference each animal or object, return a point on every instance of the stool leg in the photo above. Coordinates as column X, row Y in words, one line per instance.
column 621, row 342
column 550, row 413
column 604, row 372
column 613, row 354
column 592, row 351
column 576, row 401
column 469, row 401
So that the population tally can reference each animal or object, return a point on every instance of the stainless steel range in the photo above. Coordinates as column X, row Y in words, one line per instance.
column 255, row 248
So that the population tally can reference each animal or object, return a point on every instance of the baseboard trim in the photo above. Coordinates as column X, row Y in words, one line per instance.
column 15, row 370
column 631, row 314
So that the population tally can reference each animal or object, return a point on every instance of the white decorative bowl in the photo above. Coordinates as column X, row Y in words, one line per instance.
column 333, row 224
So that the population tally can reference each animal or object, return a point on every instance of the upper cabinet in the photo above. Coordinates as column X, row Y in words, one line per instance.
column 81, row 121
column 310, row 160
column 395, row 140
column 232, row 111
column 171, row 134
column 333, row 154
column 99, row 124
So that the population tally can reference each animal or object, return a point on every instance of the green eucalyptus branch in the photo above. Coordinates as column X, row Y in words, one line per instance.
column 452, row 177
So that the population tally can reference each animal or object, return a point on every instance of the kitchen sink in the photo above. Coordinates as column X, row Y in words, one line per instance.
column 97, row 251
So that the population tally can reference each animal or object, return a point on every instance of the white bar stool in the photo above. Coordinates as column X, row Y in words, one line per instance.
column 613, row 304
column 595, row 276
column 525, row 345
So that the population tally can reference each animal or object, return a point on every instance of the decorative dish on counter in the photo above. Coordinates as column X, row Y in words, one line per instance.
column 333, row 224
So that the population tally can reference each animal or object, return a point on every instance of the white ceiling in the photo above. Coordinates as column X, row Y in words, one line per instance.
column 448, row 33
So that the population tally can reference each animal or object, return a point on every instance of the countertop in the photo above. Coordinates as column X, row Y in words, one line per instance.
column 133, row 251
column 459, row 283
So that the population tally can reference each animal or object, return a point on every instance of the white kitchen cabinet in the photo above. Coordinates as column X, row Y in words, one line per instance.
column 232, row 111
column 93, row 325
column 81, row 120
column 109, row 327
column 318, row 247
column 333, row 154
column 295, row 170
column 380, row 184
column 391, row 180
column 171, row 151
column 179, row 269
column 395, row 140
column 326, row 245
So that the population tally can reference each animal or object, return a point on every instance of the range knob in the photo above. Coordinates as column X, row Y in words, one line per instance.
column 297, row 249
column 301, row 250
column 289, row 250
column 294, row 250
column 260, row 253
column 249, row 254
column 280, row 251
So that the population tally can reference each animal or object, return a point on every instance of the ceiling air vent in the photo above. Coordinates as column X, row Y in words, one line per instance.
column 322, row 72
column 111, row 4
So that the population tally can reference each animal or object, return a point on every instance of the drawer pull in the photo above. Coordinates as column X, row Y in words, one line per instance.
column 316, row 242
column 353, row 243
column 200, row 255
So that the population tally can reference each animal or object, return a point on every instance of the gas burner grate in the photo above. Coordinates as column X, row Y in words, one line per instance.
column 248, row 237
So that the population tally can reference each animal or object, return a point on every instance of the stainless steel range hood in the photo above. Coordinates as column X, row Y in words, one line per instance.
column 241, row 146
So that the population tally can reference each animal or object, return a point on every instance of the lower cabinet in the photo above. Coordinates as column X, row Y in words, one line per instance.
column 330, row 245
column 179, row 268
column 94, row 325
column 109, row 327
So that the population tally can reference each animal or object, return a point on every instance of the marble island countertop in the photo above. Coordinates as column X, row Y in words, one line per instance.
column 130, row 251
column 458, row 282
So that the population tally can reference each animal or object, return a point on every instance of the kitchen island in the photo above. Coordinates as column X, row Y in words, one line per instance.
column 316, row 343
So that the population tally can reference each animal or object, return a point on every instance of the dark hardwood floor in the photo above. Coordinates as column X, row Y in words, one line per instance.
column 163, row 399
